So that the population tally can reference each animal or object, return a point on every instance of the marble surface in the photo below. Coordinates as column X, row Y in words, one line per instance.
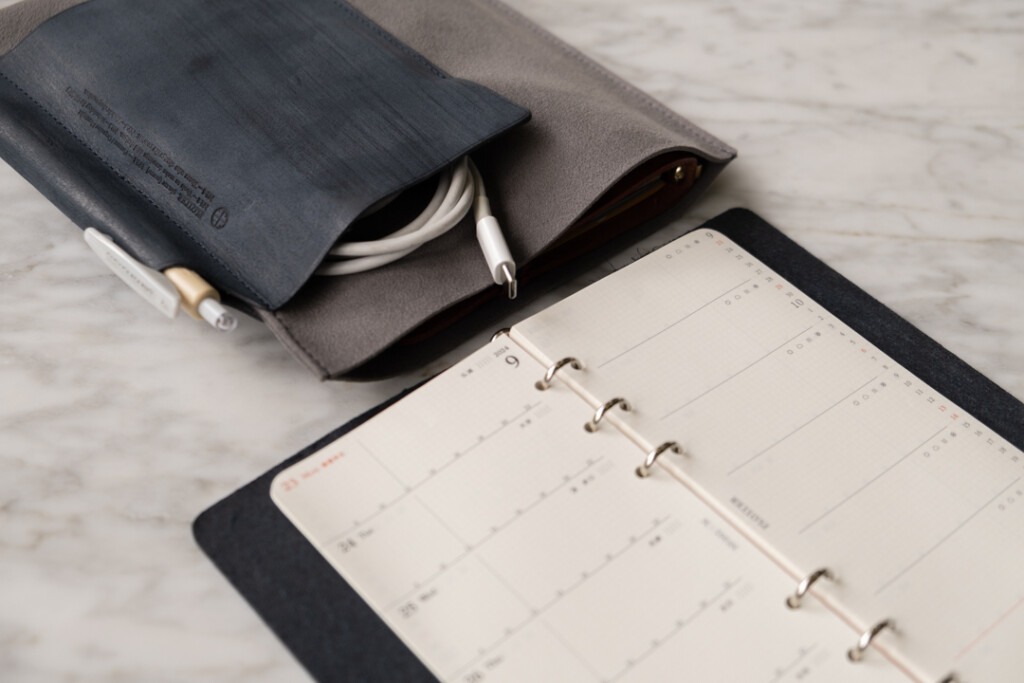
column 887, row 138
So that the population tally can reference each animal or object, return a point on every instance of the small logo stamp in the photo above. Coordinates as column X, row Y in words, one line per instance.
column 219, row 218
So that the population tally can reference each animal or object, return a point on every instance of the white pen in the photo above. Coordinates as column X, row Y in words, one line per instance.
column 173, row 289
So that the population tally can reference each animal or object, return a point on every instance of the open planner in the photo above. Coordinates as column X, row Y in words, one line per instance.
column 690, row 470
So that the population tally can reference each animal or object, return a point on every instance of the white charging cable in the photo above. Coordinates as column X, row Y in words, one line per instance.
column 458, row 189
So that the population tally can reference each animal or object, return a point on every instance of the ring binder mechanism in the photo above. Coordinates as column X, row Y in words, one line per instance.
column 600, row 412
column 856, row 653
column 794, row 600
column 503, row 332
column 549, row 375
column 644, row 470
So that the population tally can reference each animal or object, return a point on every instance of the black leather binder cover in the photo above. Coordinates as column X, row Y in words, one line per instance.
column 337, row 637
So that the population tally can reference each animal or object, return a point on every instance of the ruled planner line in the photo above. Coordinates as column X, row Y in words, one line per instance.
column 412, row 488
column 945, row 538
column 821, row 414
column 663, row 331
column 984, row 634
column 804, row 654
column 680, row 626
column 472, row 547
column 732, row 377
column 872, row 480
column 538, row 611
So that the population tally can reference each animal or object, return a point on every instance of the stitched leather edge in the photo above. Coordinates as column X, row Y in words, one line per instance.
column 141, row 193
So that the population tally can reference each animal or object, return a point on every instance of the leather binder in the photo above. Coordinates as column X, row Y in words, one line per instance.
column 338, row 637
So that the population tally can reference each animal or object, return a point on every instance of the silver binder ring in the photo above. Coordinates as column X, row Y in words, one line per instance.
column 644, row 470
column 856, row 653
column 793, row 601
column 549, row 375
column 599, row 413
column 503, row 332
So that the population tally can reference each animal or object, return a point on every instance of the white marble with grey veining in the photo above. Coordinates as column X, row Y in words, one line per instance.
column 887, row 138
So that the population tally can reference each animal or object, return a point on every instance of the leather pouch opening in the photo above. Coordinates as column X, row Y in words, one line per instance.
column 646, row 192
column 238, row 138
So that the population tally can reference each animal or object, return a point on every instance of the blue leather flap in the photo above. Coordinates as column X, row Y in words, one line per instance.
column 236, row 137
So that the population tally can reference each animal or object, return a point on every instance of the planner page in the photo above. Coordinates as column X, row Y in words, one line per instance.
column 825, row 452
column 502, row 542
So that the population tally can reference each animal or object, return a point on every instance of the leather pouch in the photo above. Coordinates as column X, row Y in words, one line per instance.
column 597, row 158
column 236, row 137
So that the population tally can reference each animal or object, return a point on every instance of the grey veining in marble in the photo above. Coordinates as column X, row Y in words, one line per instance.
column 887, row 138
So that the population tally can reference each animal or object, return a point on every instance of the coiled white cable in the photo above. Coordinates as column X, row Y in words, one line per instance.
column 458, row 189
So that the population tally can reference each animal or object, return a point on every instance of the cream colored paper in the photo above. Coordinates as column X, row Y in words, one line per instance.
column 820, row 448
column 502, row 541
